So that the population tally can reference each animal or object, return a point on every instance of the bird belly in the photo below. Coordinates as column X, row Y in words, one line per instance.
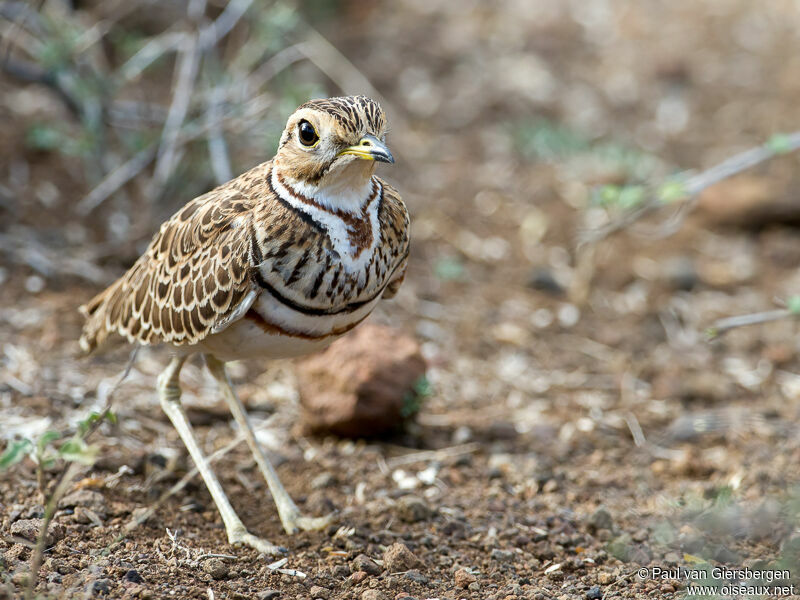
column 270, row 329
column 247, row 339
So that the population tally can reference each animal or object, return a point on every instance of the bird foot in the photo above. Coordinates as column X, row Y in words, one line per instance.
column 296, row 521
column 260, row 544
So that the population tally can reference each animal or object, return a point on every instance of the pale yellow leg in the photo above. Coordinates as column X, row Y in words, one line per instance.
column 169, row 393
column 290, row 515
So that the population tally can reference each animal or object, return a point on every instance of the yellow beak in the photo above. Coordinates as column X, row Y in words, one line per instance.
column 370, row 148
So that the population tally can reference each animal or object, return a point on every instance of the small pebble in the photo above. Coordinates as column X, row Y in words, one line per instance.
column 605, row 578
column 34, row 284
column 216, row 568
column 358, row 577
column 601, row 519
column 372, row 595
column 594, row 593
column 542, row 279
column 398, row 558
column 412, row 509
column 133, row 576
column 269, row 595
column 29, row 529
column 323, row 480
column 100, row 587
column 317, row 591
column 86, row 498
column 364, row 563
column 502, row 555
column 464, row 578
column 568, row 315
column 415, row 576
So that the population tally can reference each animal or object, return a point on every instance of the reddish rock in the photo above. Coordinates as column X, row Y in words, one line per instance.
column 361, row 385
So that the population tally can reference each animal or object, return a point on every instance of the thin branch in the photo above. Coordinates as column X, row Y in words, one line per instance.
column 695, row 184
column 127, row 171
column 172, row 41
column 217, row 147
column 116, row 179
column 185, row 77
column 169, row 41
column 213, row 33
column 330, row 60
column 271, row 67
column 721, row 326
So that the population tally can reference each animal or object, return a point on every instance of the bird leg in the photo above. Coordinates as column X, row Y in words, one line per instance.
column 291, row 517
column 169, row 393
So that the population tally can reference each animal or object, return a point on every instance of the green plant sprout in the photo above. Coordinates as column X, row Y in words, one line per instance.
column 413, row 400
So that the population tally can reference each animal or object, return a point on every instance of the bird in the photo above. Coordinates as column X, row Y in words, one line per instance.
column 278, row 262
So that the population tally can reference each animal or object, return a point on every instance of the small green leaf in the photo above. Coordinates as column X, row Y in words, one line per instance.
column 44, row 137
column 14, row 452
column 780, row 143
column 423, row 387
column 46, row 438
column 83, row 426
column 672, row 191
column 414, row 398
column 793, row 304
column 76, row 450
column 607, row 195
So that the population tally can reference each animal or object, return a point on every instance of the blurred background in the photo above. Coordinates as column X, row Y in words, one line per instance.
column 595, row 425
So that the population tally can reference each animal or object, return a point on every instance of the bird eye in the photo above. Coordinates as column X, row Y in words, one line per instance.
column 308, row 135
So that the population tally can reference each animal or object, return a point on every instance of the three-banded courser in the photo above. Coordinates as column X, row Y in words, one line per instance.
column 278, row 262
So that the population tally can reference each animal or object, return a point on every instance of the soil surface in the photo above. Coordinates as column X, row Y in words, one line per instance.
column 580, row 426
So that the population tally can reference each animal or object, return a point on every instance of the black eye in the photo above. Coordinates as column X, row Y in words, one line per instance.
column 308, row 135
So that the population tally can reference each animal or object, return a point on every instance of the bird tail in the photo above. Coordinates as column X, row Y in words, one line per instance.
column 95, row 329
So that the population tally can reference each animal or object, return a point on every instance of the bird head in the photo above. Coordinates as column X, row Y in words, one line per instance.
column 334, row 143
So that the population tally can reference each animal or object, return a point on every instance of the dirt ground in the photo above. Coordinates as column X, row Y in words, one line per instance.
column 569, row 441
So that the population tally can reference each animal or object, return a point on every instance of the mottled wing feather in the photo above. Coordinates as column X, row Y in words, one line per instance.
column 190, row 281
column 394, row 221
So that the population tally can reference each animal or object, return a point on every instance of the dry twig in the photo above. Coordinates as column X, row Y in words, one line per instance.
column 721, row 326
column 695, row 184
